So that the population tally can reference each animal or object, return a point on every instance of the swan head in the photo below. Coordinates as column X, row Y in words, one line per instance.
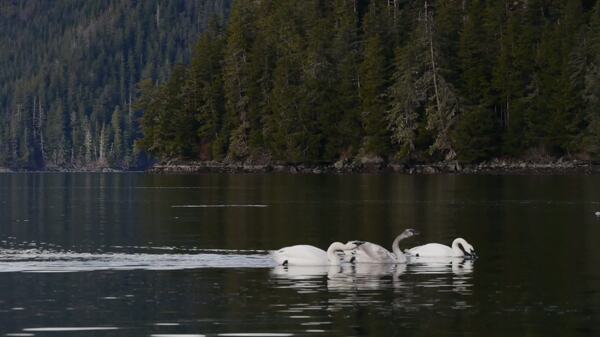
column 408, row 233
column 466, row 248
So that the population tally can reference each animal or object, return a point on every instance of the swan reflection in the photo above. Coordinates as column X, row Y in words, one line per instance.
column 366, row 276
column 411, row 286
column 456, row 266
column 303, row 272
column 451, row 273
column 345, row 277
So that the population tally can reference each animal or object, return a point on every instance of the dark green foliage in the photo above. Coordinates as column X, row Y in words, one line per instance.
column 204, row 95
column 475, row 136
column 345, row 133
column 419, row 80
column 476, row 133
column 591, row 86
column 300, row 81
column 373, row 83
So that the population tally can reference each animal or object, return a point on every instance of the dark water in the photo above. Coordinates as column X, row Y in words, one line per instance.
column 152, row 255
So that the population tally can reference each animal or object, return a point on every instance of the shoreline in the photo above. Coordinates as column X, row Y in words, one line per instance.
column 450, row 167
column 495, row 166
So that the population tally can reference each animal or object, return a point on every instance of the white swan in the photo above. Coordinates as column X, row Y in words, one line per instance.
column 306, row 255
column 460, row 248
column 367, row 252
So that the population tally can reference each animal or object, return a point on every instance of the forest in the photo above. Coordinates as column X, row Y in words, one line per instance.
column 318, row 81
column 69, row 71
column 124, row 83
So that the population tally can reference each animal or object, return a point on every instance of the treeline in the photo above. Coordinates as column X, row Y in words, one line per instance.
column 69, row 69
column 404, row 81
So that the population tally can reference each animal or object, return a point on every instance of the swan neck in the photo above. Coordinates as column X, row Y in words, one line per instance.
column 455, row 247
column 396, row 246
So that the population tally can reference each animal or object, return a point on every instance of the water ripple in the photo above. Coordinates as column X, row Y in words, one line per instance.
column 48, row 261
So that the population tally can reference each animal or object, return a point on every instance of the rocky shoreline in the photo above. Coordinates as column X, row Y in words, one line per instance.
column 495, row 166
column 68, row 170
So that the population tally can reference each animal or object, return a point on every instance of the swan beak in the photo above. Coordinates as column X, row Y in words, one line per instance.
column 473, row 255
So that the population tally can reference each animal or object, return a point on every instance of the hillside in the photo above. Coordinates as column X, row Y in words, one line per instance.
column 69, row 71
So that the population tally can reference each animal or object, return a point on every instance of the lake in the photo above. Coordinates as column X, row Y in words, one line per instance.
column 133, row 254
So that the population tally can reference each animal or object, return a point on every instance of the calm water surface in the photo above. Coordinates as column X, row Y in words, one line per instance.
column 185, row 255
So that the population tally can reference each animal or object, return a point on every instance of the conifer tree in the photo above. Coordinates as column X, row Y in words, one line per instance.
column 285, row 129
column 421, row 93
column 513, row 79
column 204, row 90
column 148, row 102
column 441, row 107
column 344, row 51
column 263, row 58
column 117, row 136
column 407, row 96
column 475, row 136
column 591, row 89
column 373, row 81
column 236, row 77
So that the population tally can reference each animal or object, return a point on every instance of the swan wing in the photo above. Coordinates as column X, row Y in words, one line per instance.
column 430, row 250
column 300, row 255
column 368, row 252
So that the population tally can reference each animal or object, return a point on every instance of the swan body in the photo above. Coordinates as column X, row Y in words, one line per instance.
column 460, row 248
column 367, row 252
column 307, row 255
column 373, row 253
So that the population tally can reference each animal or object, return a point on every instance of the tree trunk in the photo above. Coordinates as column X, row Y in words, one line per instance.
column 429, row 30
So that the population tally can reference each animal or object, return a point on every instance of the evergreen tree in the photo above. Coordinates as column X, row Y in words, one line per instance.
column 441, row 107
column 344, row 51
column 117, row 136
column 287, row 136
column 373, row 81
column 263, row 58
column 513, row 80
column 421, row 93
column 407, row 96
column 55, row 136
column 205, row 93
column 149, row 103
column 317, row 109
column 236, row 77
column 475, row 137
column 591, row 89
